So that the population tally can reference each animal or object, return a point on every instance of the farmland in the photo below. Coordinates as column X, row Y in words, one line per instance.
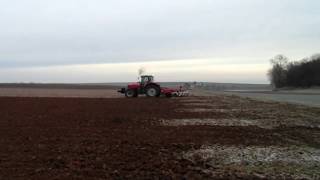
column 217, row 136
column 58, row 90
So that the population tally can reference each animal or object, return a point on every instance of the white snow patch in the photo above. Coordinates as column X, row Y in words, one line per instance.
column 208, row 122
column 295, row 162
column 234, row 154
column 262, row 123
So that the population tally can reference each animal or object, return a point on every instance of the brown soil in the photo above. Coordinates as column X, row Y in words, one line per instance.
column 58, row 92
column 119, row 138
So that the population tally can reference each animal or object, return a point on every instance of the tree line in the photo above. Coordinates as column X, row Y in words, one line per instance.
column 303, row 73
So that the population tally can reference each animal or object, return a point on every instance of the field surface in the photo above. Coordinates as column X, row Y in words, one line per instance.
column 58, row 90
column 308, row 97
column 219, row 136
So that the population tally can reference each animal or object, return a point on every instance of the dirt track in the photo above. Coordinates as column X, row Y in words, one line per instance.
column 64, row 138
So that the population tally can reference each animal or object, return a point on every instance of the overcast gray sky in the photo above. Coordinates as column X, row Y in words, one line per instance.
column 108, row 40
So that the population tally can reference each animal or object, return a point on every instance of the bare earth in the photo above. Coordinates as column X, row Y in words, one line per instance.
column 58, row 92
column 197, row 137
column 305, row 97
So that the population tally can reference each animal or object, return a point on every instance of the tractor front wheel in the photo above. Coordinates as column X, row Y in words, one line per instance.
column 153, row 91
column 131, row 93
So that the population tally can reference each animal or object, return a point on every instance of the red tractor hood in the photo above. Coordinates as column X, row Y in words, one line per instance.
column 133, row 85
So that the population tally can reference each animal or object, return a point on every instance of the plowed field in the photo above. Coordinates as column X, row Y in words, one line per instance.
column 157, row 138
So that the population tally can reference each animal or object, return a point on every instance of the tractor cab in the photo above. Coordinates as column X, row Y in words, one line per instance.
column 146, row 79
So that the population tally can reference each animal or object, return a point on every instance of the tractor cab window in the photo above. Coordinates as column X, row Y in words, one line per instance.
column 146, row 79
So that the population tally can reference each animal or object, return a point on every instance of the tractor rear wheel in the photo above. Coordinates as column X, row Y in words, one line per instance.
column 131, row 93
column 153, row 91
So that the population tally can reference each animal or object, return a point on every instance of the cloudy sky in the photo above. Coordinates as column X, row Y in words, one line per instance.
column 109, row 40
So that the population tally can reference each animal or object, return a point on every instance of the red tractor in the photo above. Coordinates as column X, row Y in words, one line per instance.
column 151, row 89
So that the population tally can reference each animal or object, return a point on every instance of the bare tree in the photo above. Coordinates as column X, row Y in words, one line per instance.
column 278, row 73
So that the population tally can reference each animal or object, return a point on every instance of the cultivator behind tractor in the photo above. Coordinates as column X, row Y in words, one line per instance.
column 151, row 89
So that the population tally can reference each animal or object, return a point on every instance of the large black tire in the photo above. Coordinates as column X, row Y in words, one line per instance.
column 130, row 93
column 153, row 91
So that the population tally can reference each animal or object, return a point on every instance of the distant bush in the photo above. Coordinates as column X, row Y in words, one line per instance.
column 304, row 73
